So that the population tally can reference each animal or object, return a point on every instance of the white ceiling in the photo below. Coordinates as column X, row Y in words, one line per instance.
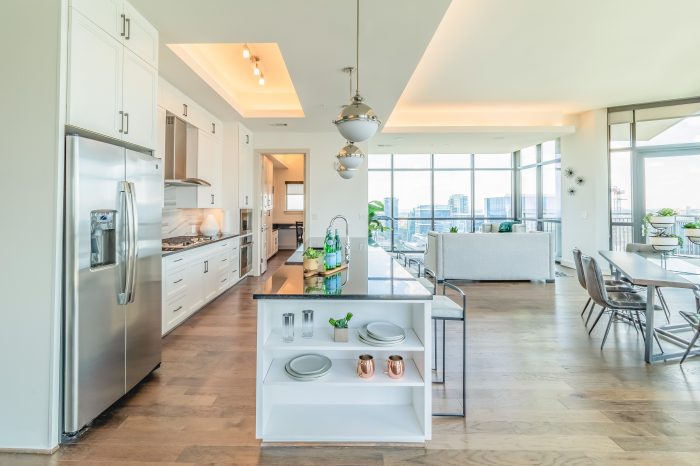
column 493, row 74
column 317, row 40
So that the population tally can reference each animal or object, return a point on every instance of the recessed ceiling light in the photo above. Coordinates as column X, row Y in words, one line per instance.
column 279, row 124
column 385, row 145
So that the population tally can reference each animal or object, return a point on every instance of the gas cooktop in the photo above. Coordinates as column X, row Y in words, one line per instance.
column 181, row 242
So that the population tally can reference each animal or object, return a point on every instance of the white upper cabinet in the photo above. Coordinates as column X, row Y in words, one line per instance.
column 245, row 167
column 139, row 99
column 94, row 78
column 140, row 36
column 106, row 14
column 112, row 90
column 209, row 169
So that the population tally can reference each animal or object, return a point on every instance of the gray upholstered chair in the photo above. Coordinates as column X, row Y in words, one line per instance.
column 694, row 320
column 613, row 286
column 649, row 249
column 444, row 309
column 622, row 305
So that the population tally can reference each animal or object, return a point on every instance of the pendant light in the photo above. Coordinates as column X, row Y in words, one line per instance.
column 357, row 121
column 350, row 156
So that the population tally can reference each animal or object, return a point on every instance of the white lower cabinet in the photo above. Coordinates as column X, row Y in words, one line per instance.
column 193, row 278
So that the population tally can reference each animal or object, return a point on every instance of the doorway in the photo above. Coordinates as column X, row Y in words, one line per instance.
column 283, row 201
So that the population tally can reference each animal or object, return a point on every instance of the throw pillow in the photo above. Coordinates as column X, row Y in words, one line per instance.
column 506, row 227
column 486, row 227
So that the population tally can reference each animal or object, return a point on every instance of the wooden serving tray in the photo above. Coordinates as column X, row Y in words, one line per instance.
column 324, row 273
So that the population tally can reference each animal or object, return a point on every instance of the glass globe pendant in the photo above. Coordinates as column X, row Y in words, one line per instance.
column 350, row 156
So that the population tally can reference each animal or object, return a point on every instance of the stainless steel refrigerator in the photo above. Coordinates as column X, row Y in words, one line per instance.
column 112, row 276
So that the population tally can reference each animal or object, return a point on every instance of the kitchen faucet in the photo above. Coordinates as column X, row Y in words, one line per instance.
column 347, row 234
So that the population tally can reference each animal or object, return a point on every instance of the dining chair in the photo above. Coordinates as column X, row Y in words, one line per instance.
column 625, row 306
column 444, row 309
column 694, row 320
column 649, row 249
column 615, row 286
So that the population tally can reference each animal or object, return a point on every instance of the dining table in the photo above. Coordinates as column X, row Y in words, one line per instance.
column 653, row 272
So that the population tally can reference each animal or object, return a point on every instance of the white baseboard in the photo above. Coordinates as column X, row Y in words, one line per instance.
column 36, row 451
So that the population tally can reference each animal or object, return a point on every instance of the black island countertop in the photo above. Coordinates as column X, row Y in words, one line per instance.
column 371, row 274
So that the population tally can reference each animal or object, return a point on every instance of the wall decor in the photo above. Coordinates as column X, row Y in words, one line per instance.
column 580, row 180
column 569, row 172
column 571, row 191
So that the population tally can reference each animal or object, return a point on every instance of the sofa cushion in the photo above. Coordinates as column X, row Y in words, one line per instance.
column 506, row 227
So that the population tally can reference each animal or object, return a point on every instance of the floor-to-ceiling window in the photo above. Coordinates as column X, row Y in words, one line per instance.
column 539, row 169
column 424, row 192
column 654, row 154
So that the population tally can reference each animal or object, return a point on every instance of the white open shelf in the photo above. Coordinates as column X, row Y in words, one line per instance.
column 323, row 340
column 343, row 423
column 343, row 374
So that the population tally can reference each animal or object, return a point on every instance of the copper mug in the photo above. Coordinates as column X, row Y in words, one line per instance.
column 395, row 367
column 365, row 366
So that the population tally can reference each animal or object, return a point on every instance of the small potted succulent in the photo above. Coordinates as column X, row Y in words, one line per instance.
column 665, row 241
column 692, row 231
column 340, row 328
column 453, row 229
column 311, row 259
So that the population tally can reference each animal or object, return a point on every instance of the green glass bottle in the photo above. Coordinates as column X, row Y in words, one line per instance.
column 338, row 250
column 329, row 251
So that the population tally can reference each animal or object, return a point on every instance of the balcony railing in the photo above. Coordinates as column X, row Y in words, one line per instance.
column 623, row 233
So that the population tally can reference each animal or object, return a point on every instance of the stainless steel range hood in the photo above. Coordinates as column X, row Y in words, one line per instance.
column 176, row 155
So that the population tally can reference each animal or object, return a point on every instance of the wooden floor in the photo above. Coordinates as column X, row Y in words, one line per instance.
column 539, row 391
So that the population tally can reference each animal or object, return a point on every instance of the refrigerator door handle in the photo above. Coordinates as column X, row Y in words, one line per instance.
column 123, row 295
column 134, row 217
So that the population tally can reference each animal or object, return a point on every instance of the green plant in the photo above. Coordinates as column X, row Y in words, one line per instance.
column 693, row 225
column 341, row 323
column 373, row 224
column 453, row 229
column 666, row 212
column 670, row 235
column 312, row 253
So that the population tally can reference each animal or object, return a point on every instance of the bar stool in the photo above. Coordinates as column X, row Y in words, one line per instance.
column 444, row 309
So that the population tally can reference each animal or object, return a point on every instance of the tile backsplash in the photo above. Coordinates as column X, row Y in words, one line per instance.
column 178, row 222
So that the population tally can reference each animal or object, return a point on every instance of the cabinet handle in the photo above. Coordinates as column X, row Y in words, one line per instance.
column 213, row 128
column 178, row 308
column 212, row 199
column 178, row 260
column 184, row 109
column 224, row 280
column 246, row 200
column 177, row 281
column 206, row 266
column 126, row 131
column 247, row 138
column 123, row 25
column 121, row 118
column 128, row 28
column 224, row 260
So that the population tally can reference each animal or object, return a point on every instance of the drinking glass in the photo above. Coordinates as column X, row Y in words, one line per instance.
column 307, row 323
column 288, row 327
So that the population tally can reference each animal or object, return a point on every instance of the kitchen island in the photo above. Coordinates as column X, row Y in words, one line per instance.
column 341, row 407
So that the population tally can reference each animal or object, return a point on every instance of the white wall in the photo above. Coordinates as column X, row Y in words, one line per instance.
column 327, row 193
column 584, row 216
column 32, row 40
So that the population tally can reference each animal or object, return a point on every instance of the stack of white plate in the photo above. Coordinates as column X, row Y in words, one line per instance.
column 381, row 334
column 308, row 367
